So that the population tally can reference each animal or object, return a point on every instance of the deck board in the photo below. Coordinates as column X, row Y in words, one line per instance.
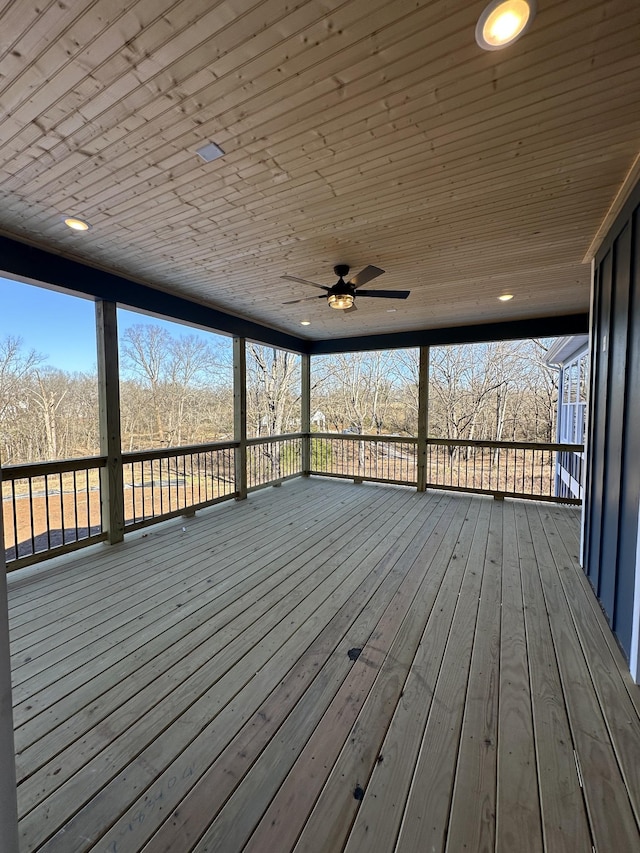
column 261, row 636
column 602, row 659
column 518, row 817
column 473, row 807
column 187, row 614
column 191, row 689
column 426, row 817
column 611, row 821
column 564, row 818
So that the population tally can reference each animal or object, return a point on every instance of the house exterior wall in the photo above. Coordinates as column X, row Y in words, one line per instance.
column 570, row 356
column 612, row 493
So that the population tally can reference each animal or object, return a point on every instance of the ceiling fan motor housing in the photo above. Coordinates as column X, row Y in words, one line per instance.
column 342, row 294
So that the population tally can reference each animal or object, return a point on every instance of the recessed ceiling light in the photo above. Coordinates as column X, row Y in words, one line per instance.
column 305, row 322
column 391, row 310
column 76, row 224
column 209, row 152
column 503, row 22
column 505, row 297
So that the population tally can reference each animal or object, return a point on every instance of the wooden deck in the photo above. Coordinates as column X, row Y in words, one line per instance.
column 326, row 667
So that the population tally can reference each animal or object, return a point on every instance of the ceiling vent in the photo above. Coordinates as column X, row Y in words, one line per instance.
column 209, row 152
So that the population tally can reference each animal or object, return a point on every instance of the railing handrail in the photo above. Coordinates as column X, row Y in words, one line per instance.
column 357, row 436
column 514, row 445
column 16, row 471
column 25, row 470
column 284, row 436
column 182, row 450
column 453, row 442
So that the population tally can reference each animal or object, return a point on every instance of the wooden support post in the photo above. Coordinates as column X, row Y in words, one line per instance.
column 423, row 417
column 305, row 414
column 109, row 409
column 240, row 415
column 8, row 798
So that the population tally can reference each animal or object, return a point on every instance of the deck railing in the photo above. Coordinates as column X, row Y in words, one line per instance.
column 499, row 468
column 273, row 459
column 381, row 459
column 516, row 469
column 160, row 484
column 51, row 508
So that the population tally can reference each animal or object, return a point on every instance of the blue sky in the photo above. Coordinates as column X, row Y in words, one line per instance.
column 62, row 327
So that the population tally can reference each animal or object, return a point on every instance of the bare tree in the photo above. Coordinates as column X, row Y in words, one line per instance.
column 168, row 375
column 17, row 367
column 273, row 390
column 49, row 390
column 191, row 364
column 273, row 397
column 177, row 390
column 145, row 353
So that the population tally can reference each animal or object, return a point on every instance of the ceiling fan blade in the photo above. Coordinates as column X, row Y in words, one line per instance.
column 303, row 281
column 385, row 294
column 304, row 299
column 365, row 275
column 294, row 301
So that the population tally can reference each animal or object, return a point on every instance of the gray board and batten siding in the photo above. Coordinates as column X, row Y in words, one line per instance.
column 612, row 491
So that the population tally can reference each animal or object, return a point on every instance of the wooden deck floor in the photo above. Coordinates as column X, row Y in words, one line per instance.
column 326, row 667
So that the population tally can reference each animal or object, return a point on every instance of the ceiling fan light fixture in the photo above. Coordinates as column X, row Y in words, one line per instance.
column 340, row 301
column 503, row 22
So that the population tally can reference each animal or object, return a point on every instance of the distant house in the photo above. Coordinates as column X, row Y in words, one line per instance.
column 319, row 420
column 571, row 356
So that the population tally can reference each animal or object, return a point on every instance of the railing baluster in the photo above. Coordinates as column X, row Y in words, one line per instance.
column 533, row 473
column 61, row 502
column 138, row 503
column 100, row 519
column 153, row 490
column 33, row 540
column 15, row 518
column 86, row 485
column 75, row 503
column 47, row 514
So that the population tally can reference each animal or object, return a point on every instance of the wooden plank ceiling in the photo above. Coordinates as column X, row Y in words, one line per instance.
column 363, row 131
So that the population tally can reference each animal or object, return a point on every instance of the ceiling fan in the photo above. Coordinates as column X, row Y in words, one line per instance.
column 343, row 293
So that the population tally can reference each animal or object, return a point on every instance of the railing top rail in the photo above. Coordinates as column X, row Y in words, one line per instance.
column 356, row 436
column 518, row 445
column 185, row 450
column 265, row 439
column 453, row 442
column 61, row 466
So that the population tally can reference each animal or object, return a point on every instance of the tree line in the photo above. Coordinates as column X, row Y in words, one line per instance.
column 494, row 391
column 178, row 389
